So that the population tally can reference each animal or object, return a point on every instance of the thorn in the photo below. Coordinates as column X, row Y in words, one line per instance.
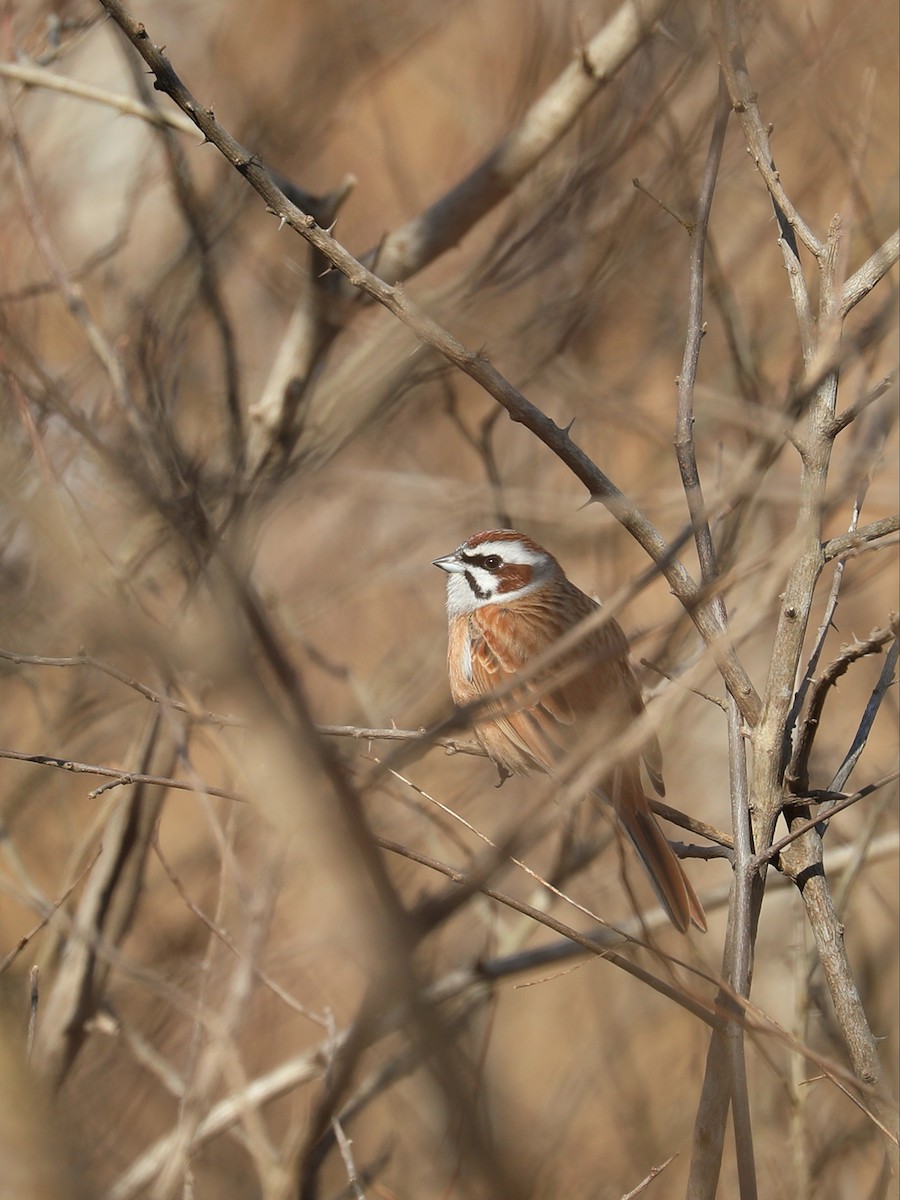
column 282, row 221
column 566, row 429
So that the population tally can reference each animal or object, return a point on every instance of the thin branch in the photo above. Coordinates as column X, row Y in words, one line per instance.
column 885, row 680
column 121, row 778
column 797, row 775
column 719, row 703
column 801, row 858
column 738, row 953
column 870, row 273
column 155, row 697
column 50, row 912
column 733, row 62
column 106, row 909
column 685, row 450
column 69, row 292
column 211, row 290
column 364, row 734
column 344, row 1145
column 599, row 941
column 36, row 76
column 823, row 816
column 648, row 1179
column 443, row 225
column 850, row 414
column 691, row 824
column 225, row 938
column 845, row 543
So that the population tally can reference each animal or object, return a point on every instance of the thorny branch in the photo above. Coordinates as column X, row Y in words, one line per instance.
column 797, row 775
column 728, row 1038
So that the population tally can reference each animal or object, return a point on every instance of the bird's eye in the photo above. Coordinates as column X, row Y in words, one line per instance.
column 493, row 561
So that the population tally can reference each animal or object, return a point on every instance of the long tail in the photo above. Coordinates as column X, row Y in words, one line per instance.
column 672, row 886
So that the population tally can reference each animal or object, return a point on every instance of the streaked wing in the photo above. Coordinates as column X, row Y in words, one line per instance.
column 520, row 737
column 534, row 723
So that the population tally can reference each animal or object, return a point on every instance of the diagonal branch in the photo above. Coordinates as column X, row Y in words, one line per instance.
column 441, row 226
column 105, row 911
column 870, row 273
column 733, row 62
column 797, row 775
column 846, row 543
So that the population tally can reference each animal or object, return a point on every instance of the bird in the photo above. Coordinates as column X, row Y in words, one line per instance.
column 509, row 601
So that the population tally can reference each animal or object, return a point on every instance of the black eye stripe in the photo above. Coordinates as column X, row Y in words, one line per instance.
column 489, row 562
column 480, row 593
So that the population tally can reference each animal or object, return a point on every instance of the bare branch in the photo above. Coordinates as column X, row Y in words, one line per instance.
column 121, row 778
column 648, row 1179
column 733, row 62
column 797, row 775
column 364, row 734
column 69, row 291
column 155, row 697
column 870, row 273
column 824, row 815
column 738, row 953
column 33, row 75
column 846, row 543
column 227, row 940
column 441, row 226
column 105, row 910
column 885, row 681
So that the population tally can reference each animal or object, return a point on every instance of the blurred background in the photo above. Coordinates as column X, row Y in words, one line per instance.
column 199, row 418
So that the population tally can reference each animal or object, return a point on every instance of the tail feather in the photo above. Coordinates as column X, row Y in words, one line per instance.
column 672, row 886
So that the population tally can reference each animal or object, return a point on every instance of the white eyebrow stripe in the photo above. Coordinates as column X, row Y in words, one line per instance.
column 510, row 552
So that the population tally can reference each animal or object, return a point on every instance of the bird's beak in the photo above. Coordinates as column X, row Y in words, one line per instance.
column 450, row 563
